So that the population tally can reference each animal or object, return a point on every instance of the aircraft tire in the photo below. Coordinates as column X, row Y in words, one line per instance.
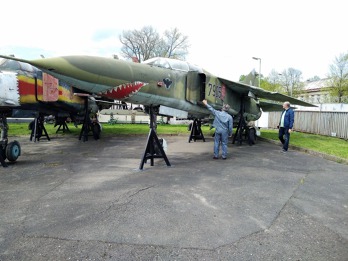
column 13, row 150
column 96, row 131
column 252, row 136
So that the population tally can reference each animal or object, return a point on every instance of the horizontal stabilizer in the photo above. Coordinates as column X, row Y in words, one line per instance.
column 269, row 106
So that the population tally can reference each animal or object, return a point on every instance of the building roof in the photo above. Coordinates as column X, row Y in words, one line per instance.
column 316, row 85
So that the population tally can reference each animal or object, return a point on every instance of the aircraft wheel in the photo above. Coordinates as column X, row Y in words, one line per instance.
column 251, row 136
column 96, row 129
column 13, row 150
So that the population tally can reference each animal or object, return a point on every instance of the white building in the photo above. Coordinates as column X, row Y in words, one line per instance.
column 318, row 92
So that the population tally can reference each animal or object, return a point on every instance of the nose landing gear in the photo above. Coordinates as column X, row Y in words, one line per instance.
column 8, row 150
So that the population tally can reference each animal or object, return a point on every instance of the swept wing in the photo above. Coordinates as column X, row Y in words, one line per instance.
column 259, row 93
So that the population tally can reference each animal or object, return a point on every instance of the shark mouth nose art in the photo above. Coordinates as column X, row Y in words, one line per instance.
column 125, row 90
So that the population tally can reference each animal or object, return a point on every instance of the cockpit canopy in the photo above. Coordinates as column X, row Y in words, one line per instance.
column 12, row 65
column 172, row 64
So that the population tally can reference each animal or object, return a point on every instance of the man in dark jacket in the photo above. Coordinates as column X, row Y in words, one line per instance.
column 285, row 125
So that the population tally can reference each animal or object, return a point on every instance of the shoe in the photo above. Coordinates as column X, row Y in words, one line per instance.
column 284, row 150
column 223, row 158
column 215, row 157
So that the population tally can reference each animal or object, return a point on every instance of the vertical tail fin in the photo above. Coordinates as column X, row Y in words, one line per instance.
column 251, row 79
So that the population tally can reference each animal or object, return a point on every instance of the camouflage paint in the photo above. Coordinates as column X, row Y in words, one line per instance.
column 151, row 85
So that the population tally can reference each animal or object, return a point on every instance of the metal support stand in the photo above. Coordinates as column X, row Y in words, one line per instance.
column 38, row 128
column 61, row 122
column 196, row 131
column 153, row 148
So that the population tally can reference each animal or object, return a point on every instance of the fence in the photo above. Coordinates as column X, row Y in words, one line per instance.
column 316, row 122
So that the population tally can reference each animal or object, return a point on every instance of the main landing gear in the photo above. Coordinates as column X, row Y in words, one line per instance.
column 154, row 148
column 243, row 129
column 8, row 150
column 89, row 125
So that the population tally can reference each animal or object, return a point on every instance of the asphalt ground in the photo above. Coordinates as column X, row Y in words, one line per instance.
column 66, row 199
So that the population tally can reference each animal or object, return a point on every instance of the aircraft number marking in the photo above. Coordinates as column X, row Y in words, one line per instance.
column 214, row 90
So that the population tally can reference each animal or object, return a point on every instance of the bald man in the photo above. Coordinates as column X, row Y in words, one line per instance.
column 285, row 125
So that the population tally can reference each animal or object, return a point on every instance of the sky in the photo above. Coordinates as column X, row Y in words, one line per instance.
column 223, row 35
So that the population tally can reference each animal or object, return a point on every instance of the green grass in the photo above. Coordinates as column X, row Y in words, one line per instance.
column 19, row 129
column 324, row 144
column 328, row 145
column 163, row 129
column 143, row 129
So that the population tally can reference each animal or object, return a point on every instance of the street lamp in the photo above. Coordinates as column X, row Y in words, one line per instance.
column 256, row 58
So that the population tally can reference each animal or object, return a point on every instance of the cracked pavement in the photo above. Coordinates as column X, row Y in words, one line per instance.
column 70, row 200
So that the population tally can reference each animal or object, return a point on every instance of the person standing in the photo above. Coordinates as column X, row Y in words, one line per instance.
column 223, row 123
column 285, row 125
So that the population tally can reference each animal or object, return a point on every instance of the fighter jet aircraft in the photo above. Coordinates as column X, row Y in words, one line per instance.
column 167, row 86
column 158, row 82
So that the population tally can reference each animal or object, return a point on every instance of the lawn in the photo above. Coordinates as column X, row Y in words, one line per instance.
column 19, row 129
column 324, row 144
column 328, row 145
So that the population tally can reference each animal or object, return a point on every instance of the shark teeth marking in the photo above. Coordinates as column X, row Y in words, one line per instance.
column 125, row 90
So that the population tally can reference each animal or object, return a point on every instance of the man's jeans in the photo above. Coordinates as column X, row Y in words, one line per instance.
column 223, row 138
column 284, row 132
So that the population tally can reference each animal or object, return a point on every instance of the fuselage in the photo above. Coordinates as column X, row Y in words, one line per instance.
column 159, row 81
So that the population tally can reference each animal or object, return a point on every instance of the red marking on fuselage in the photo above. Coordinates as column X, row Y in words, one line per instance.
column 223, row 92
column 28, row 88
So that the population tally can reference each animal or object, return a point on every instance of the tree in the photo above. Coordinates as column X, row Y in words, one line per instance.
column 338, row 78
column 147, row 43
column 273, row 82
column 140, row 44
column 173, row 45
column 291, row 81
column 314, row 78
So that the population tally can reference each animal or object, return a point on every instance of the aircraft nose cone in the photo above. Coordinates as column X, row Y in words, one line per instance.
column 9, row 96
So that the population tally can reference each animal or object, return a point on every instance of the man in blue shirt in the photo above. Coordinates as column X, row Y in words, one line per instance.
column 223, row 123
column 285, row 125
